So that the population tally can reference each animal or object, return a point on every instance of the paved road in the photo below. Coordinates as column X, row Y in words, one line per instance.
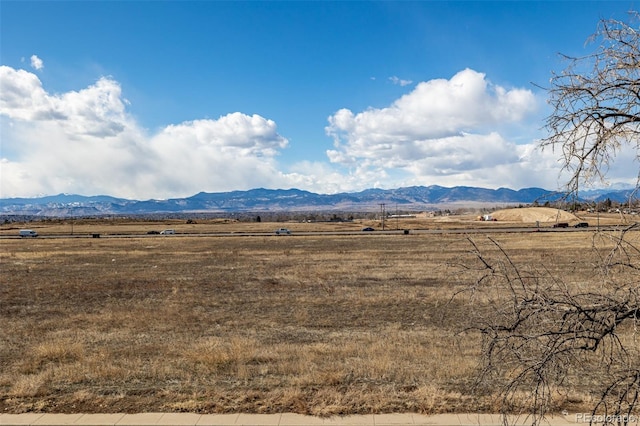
column 328, row 233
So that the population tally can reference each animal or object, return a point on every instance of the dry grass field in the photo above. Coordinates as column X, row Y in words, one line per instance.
column 315, row 324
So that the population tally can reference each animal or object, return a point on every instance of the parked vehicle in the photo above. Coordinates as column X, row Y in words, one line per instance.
column 561, row 225
column 368, row 229
column 168, row 232
column 28, row 233
column 581, row 225
column 283, row 231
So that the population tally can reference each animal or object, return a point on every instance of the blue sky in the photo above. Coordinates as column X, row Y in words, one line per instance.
column 153, row 99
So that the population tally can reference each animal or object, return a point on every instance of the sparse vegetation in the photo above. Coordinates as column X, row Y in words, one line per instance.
column 312, row 324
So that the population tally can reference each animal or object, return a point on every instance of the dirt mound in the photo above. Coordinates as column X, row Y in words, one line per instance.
column 533, row 214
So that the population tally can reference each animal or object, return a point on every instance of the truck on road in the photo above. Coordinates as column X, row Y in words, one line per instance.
column 28, row 233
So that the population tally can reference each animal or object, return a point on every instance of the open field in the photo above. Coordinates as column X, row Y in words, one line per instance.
column 525, row 217
column 308, row 324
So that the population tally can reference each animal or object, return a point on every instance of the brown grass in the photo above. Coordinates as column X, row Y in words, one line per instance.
column 308, row 324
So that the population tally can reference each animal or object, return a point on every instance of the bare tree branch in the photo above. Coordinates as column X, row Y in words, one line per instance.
column 540, row 333
column 596, row 104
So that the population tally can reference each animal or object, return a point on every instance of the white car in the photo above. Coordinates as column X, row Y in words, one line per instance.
column 283, row 231
column 167, row 232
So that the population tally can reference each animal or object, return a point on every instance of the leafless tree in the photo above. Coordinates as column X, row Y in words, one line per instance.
column 596, row 103
column 540, row 333
column 543, row 336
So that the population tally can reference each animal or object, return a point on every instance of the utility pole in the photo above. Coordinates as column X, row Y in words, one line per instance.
column 382, row 214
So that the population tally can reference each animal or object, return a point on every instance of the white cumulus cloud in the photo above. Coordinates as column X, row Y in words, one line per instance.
column 36, row 63
column 442, row 132
column 86, row 142
column 460, row 131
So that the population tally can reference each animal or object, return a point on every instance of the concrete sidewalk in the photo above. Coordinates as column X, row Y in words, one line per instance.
column 285, row 419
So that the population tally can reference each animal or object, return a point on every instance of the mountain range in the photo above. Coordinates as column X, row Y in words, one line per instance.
column 281, row 200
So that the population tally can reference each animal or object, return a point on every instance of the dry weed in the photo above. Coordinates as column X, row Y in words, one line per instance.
column 321, row 325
